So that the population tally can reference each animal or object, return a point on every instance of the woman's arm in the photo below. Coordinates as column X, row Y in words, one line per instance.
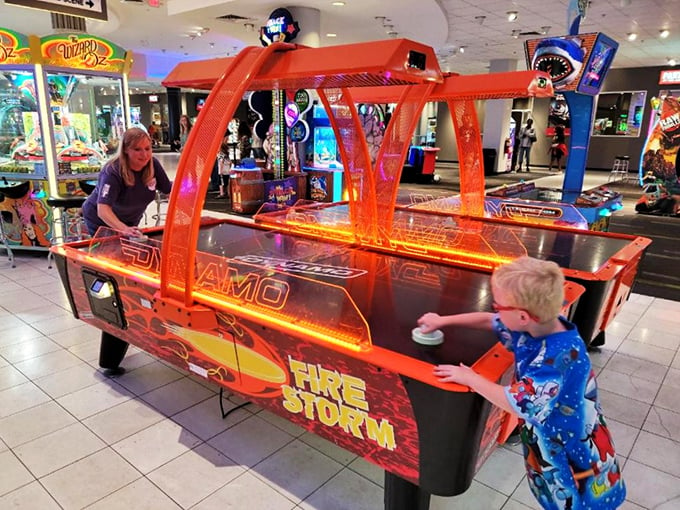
column 478, row 320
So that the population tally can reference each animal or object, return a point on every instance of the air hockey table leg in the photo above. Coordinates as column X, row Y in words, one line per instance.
column 403, row 495
column 111, row 352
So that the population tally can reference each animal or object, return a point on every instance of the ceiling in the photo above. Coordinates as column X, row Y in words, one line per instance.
column 164, row 35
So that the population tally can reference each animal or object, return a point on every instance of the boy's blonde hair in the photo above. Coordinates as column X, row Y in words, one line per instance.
column 534, row 285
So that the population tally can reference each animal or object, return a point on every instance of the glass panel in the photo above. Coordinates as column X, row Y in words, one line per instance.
column 88, row 120
column 21, row 147
column 619, row 113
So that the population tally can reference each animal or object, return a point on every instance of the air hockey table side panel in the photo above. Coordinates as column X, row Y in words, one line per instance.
column 436, row 438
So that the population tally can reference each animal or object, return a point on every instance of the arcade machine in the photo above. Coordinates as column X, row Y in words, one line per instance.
column 237, row 303
column 660, row 156
column 322, row 164
column 61, row 111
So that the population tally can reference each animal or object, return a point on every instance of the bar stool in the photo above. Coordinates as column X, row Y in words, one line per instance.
column 161, row 200
column 68, row 225
column 3, row 236
column 619, row 169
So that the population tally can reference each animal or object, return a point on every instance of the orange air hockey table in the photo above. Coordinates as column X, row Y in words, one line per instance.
column 310, row 314
column 318, row 332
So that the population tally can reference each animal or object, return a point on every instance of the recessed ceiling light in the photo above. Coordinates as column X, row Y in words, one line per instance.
column 671, row 62
column 338, row 4
column 515, row 33
column 631, row 36
column 512, row 15
column 331, row 34
column 664, row 33
column 480, row 19
column 545, row 29
column 461, row 49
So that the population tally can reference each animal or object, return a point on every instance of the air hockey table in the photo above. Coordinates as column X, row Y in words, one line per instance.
column 309, row 311
column 318, row 332
column 604, row 264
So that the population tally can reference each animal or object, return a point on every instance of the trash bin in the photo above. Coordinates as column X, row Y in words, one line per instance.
column 489, row 161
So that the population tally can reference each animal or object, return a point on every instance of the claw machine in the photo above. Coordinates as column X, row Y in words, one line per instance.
column 63, row 109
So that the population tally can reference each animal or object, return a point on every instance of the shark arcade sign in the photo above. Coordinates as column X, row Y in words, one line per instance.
column 280, row 27
column 94, row 9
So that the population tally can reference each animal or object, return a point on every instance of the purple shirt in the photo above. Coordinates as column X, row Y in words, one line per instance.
column 128, row 202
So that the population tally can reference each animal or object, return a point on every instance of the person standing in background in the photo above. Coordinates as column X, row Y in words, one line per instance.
column 527, row 137
column 558, row 148
column 184, row 130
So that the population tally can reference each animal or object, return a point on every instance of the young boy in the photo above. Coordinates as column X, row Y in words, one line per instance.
column 568, row 451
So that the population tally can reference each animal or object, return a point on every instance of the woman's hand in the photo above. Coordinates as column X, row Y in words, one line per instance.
column 132, row 232
column 151, row 184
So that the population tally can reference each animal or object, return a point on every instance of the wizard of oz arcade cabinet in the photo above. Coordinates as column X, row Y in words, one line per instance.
column 62, row 110
column 310, row 312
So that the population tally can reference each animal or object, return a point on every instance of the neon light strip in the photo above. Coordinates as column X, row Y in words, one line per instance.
column 358, row 345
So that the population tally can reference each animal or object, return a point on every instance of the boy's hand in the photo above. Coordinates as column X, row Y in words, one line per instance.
column 429, row 322
column 460, row 374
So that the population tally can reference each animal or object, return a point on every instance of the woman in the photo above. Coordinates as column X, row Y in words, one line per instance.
column 184, row 130
column 127, row 185
column 558, row 149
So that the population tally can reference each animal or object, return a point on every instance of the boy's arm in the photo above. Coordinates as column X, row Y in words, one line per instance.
column 478, row 320
column 461, row 374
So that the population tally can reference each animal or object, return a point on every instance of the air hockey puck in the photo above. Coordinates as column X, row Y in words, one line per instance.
column 435, row 337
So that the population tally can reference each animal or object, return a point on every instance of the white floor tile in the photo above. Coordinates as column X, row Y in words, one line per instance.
column 10, row 376
column 35, row 422
column 250, row 441
column 195, row 475
column 29, row 497
column 20, row 397
column 123, row 420
column 657, row 452
column 97, row 476
column 94, row 399
column 246, row 488
column 345, row 491
column 53, row 451
column 297, row 470
column 47, row 364
column 139, row 495
column 205, row 419
column 148, row 377
column 636, row 367
column 651, row 488
column 178, row 396
column 155, row 445
column 627, row 385
column 14, row 473
column 70, row 380
column 663, row 422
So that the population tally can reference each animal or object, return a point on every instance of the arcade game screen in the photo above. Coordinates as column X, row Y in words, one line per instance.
column 574, row 62
column 325, row 148
column 20, row 138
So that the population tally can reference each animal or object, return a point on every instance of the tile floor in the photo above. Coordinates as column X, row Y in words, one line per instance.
column 154, row 438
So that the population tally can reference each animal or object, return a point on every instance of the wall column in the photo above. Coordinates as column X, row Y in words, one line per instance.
column 497, row 116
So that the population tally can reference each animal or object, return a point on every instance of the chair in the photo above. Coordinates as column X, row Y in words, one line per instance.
column 619, row 170
column 161, row 199
column 3, row 236
column 68, row 225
